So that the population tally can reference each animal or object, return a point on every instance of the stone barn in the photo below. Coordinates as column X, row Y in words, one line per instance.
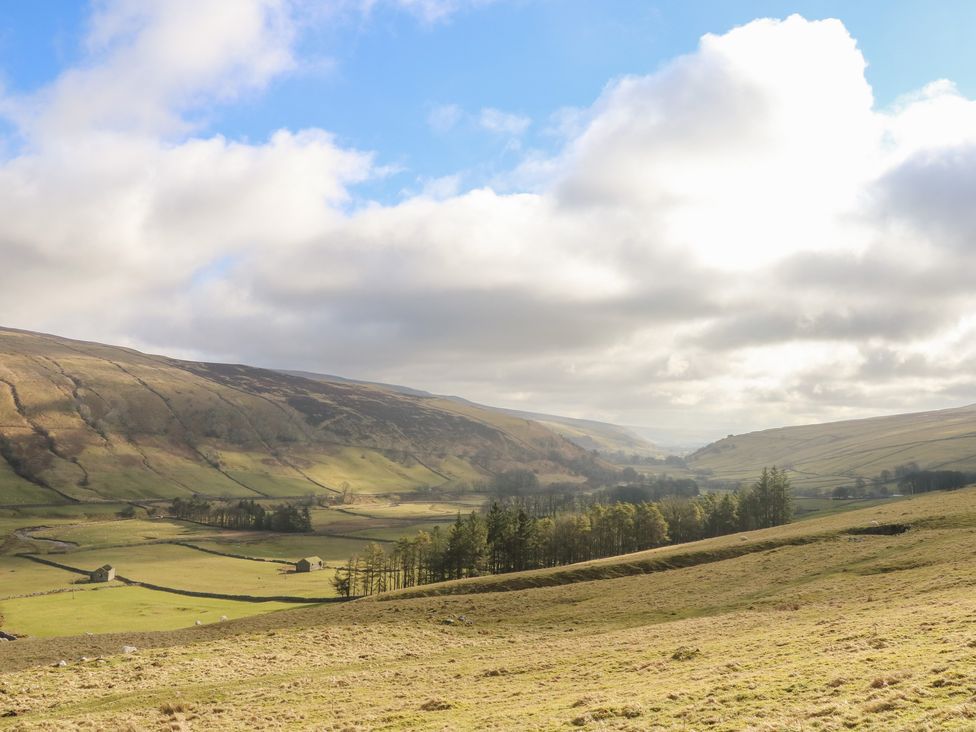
column 103, row 574
column 308, row 564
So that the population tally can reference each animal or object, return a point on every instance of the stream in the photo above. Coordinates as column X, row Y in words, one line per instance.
column 56, row 545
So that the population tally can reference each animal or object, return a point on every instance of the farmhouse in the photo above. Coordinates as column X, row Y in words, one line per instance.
column 103, row 574
column 308, row 564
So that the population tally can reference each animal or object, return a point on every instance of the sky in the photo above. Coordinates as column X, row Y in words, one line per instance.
column 698, row 217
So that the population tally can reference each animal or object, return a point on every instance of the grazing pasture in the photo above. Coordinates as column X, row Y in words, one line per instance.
column 291, row 547
column 95, row 534
column 117, row 608
column 183, row 568
column 19, row 576
column 411, row 511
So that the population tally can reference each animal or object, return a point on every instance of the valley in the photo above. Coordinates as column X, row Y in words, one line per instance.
column 857, row 614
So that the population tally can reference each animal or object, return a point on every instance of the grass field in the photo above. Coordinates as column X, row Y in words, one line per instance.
column 20, row 576
column 63, row 513
column 109, row 609
column 132, row 531
column 803, row 627
column 333, row 550
column 392, row 533
column 140, row 550
column 814, row 507
column 413, row 511
column 186, row 569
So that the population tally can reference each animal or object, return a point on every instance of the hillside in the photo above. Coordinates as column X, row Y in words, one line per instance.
column 825, row 624
column 587, row 433
column 86, row 422
column 836, row 453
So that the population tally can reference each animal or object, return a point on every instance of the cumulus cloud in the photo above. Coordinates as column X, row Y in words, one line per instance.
column 738, row 240
column 151, row 62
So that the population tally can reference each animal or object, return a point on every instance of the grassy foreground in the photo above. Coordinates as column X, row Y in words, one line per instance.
column 796, row 628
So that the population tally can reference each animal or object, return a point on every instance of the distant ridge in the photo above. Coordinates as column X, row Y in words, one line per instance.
column 836, row 453
column 587, row 433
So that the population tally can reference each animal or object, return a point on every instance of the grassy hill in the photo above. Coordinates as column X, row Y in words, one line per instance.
column 826, row 624
column 587, row 433
column 82, row 422
column 836, row 453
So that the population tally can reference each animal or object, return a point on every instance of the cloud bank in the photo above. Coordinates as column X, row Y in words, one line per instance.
column 738, row 240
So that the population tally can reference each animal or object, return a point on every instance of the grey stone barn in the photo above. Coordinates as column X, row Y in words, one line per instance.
column 103, row 574
column 308, row 564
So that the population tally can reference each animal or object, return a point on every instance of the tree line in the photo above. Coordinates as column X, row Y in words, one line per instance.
column 907, row 478
column 245, row 514
column 509, row 538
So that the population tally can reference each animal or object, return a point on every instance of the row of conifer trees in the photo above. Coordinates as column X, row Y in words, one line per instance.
column 508, row 538
column 244, row 514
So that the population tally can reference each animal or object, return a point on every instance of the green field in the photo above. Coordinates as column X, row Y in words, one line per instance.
column 333, row 550
column 60, row 514
column 141, row 549
column 805, row 507
column 414, row 511
column 132, row 531
column 113, row 609
column 392, row 533
column 183, row 568
column 19, row 576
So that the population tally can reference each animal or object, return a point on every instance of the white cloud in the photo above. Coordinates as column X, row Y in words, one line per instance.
column 503, row 123
column 150, row 63
column 446, row 117
column 447, row 186
column 738, row 240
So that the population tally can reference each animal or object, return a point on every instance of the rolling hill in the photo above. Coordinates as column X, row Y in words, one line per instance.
column 836, row 453
column 589, row 434
column 83, row 422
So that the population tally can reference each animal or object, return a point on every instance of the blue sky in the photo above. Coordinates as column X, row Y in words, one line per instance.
column 564, row 206
column 374, row 80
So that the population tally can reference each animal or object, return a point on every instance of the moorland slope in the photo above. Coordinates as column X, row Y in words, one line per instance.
column 587, row 433
column 86, row 422
column 835, row 453
column 862, row 620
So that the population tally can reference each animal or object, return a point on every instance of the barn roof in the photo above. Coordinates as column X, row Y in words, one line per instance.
column 311, row 560
column 105, row 567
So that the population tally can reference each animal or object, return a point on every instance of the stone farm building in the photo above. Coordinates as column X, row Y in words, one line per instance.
column 308, row 564
column 103, row 574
